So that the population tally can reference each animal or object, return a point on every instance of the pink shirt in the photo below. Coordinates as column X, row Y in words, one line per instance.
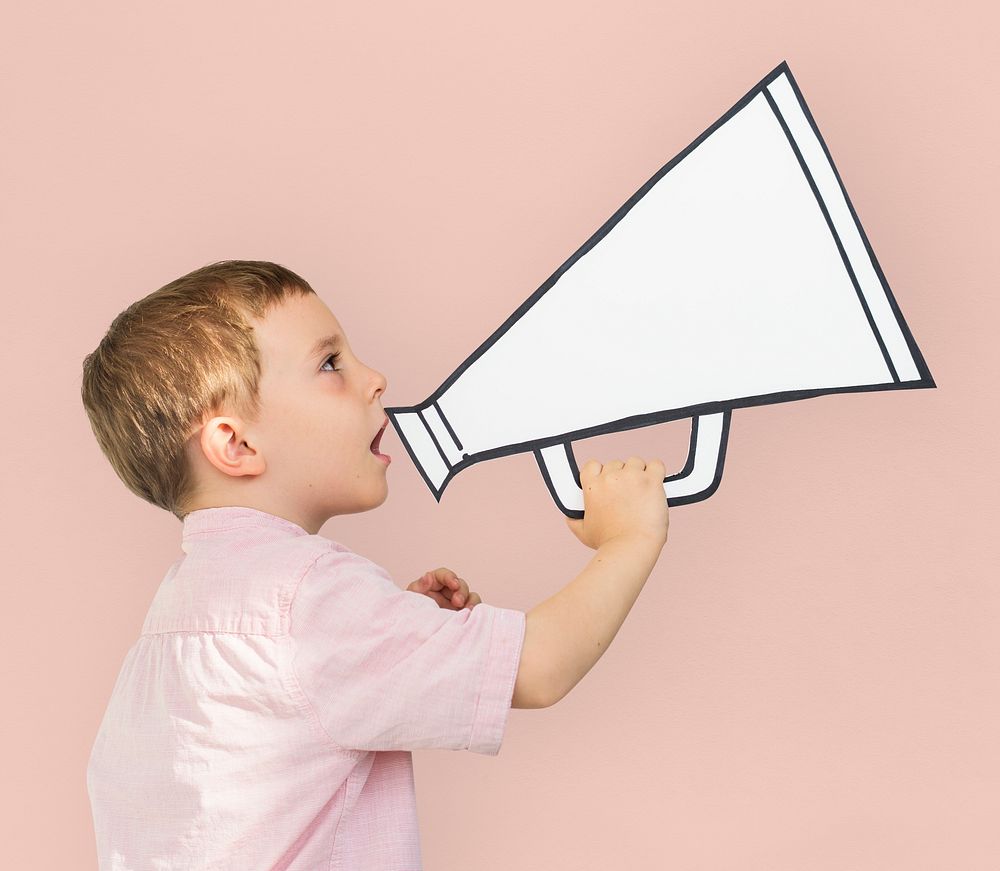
column 265, row 716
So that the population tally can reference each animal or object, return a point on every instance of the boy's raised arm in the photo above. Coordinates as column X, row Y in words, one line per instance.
column 626, row 520
column 566, row 634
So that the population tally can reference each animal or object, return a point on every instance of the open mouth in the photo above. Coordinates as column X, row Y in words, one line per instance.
column 373, row 447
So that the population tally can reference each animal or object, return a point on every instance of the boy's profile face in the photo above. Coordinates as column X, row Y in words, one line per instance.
column 309, row 455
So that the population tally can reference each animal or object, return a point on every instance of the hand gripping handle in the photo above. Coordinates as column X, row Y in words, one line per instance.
column 698, row 480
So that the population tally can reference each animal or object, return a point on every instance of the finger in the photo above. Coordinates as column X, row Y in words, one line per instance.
column 455, row 590
column 445, row 578
column 442, row 601
column 428, row 582
column 636, row 463
column 473, row 601
column 423, row 583
column 431, row 581
column 453, row 587
column 461, row 595
column 591, row 467
column 614, row 464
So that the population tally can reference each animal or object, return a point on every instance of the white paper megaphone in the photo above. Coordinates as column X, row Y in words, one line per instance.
column 738, row 275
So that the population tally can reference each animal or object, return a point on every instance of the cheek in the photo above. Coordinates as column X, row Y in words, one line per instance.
column 315, row 432
column 295, row 431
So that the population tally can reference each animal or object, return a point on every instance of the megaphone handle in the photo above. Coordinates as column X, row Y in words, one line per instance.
column 698, row 480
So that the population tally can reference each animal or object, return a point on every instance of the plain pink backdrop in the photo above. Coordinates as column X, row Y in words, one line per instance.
column 809, row 679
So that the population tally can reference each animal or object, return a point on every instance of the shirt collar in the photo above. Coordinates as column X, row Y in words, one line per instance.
column 210, row 520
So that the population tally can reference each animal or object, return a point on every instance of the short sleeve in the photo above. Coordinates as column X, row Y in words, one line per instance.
column 388, row 669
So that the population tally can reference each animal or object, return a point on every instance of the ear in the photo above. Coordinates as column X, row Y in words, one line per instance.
column 224, row 443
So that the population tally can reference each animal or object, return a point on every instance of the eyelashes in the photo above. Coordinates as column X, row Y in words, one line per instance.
column 333, row 358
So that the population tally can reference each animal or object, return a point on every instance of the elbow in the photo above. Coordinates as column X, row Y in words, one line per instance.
column 528, row 694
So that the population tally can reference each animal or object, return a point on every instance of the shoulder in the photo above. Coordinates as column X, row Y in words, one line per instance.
column 333, row 570
column 329, row 557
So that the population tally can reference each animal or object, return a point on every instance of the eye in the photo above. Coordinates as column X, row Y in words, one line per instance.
column 332, row 358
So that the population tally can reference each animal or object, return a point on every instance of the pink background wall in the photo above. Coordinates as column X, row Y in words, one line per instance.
column 809, row 679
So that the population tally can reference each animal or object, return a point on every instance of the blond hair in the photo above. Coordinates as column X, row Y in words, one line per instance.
column 171, row 360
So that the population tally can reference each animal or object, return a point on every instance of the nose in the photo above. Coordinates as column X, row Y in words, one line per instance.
column 381, row 382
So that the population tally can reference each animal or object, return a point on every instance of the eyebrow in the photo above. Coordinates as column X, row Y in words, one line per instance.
column 331, row 342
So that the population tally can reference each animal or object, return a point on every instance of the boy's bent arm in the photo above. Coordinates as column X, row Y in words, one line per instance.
column 566, row 634
column 530, row 686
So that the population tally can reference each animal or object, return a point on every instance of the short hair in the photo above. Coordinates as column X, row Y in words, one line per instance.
column 171, row 360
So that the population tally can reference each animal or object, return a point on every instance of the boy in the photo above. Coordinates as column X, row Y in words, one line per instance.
column 266, row 715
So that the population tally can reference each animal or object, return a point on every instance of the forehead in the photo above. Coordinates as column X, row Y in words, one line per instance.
column 290, row 331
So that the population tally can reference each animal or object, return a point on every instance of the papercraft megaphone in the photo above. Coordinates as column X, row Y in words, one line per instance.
column 738, row 275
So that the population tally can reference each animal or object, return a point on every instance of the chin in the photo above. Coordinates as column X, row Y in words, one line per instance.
column 375, row 499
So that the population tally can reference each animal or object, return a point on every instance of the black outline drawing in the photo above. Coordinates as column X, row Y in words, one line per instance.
column 714, row 416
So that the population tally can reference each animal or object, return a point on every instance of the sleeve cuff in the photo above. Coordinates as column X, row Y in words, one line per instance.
column 497, row 688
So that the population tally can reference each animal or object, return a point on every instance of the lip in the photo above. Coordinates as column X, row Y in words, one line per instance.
column 373, row 445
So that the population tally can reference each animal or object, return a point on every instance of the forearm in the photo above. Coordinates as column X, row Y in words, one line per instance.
column 571, row 630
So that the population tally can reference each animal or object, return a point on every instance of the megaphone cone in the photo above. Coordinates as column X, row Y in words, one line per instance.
column 738, row 275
